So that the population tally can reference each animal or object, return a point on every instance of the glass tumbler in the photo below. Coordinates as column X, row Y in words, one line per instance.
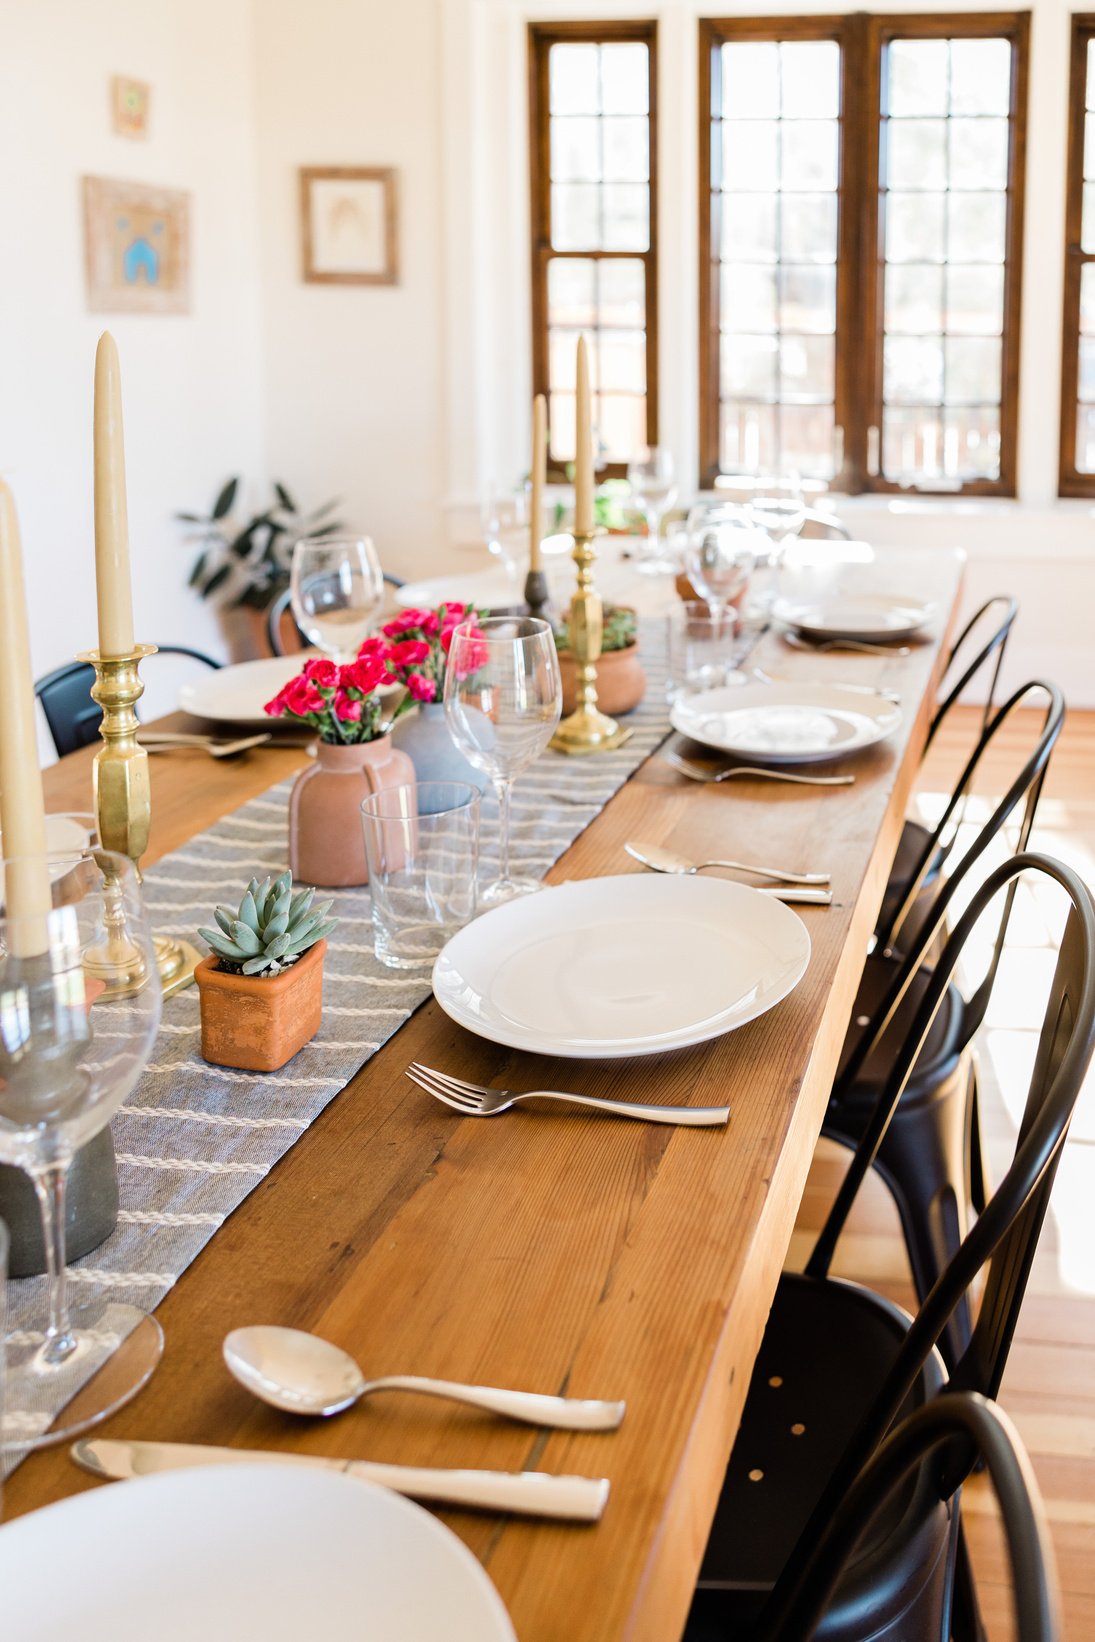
column 422, row 850
column 704, row 646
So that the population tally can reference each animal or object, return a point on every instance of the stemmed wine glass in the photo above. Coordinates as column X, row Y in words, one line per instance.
column 503, row 700
column 337, row 590
column 504, row 518
column 654, row 486
column 723, row 548
column 79, row 1009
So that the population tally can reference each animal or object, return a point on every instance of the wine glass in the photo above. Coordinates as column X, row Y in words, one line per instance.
column 503, row 700
column 79, row 1009
column 723, row 548
column 654, row 486
column 337, row 590
column 504, row 518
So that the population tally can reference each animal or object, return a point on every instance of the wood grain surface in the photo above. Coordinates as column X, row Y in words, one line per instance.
column 548, row 1249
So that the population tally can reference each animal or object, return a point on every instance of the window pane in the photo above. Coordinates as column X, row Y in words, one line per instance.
column 575, row 150
column 912, row 444
column 1085, row 439
column 619, row 426
column 776, row 147
column 625, row 78
column 916, row 153
column 750, row 80
column 572, row 287
column 1087, row 231
column 626, row 217
column 975, row 301
column 979, row 153
column 1087, row 298
column 915, row 77
column 1087, row 369
column 914, row 298
column 622, row 285
column 980, row 77
column 971, row 443
column 572, row 71
column 626, row 150
column 977, row 227
column 561, row 426
column 915, row 227
column 972, row 370
column 623, row 361
column 912, row 370
column 575, row 217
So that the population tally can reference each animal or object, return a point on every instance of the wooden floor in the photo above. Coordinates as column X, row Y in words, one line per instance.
column 1049, row 1388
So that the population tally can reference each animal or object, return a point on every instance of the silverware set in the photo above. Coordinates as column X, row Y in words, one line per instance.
column 659, row 859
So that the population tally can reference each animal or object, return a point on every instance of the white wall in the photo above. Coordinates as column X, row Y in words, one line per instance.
column 191, row 382
column 355, row 374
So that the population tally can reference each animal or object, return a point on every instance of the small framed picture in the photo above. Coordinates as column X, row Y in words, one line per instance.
column 136, row 247
column 349, row 226
column 129, row 101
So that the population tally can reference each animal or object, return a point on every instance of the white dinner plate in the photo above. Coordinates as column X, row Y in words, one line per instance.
column 851, row 615
column 238, row 694
column 627, row 965
column 228, row 1553
column 786, row 723
column 489, row 586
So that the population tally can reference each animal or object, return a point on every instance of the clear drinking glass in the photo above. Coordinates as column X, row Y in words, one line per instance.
column 653, row 482
column 723, row 548
column 704, row 644
column 505, row 521
column 337, row 591
column 422, row 849
column 503, row 700
column 79, row 1009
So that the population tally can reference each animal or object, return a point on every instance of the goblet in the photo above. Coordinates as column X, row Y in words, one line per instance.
column 654, row 486
column 505, row 519
column 337, row 590
column 723, row 548
column 503, row 701
column 70, row 1052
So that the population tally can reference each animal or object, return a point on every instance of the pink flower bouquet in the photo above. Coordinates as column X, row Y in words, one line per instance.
column 341, row 703
column 414, row 648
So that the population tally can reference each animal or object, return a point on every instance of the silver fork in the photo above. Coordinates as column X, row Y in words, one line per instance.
column 475, row 1101
column 797, row 642
column 695, row 773
column 158, row 742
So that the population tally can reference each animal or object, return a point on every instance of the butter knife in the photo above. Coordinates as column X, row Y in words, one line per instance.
column 529, row 1493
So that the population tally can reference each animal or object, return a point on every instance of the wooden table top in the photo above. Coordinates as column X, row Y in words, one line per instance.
column 546, row 1249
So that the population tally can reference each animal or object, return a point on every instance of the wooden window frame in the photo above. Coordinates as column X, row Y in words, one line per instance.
column 1071, row 482
column 541, row 37
column 862, row 38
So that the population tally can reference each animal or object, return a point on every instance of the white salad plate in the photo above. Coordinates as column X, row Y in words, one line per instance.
column 786, row 723
column 876, row 617
column 238, row 694
column 627, row 965
column 229, row 1553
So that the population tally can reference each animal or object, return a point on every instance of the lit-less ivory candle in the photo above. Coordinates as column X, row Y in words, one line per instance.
column 583, row 449
column 539, row 473
column 112, row 584
column 22, row 806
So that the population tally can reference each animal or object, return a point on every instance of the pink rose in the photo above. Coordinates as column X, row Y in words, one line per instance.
column 409, row 653
column 301, row 697
column 421, row 687
column 347, row 708
column 366, row 674
column 322, row 672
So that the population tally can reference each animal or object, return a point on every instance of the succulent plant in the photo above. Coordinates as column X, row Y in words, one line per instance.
column 271, row 928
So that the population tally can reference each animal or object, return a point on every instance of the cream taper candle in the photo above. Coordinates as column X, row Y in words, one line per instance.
column 583, row 450
column 539, row 473
column 27, row 897
column 112, row 584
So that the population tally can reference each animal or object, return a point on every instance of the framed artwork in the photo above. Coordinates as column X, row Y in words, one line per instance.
column 349, row 229
column 136, row 247
column 129, row 101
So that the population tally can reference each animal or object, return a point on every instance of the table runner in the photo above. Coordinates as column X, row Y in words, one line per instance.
column 193, row 1140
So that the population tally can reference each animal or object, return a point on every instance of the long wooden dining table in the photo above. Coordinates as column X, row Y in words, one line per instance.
column 549, row 1248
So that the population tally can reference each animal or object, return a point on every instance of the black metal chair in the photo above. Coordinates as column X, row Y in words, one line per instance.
column 65, row 694
column 283, row 603
column 983, row 1429
column 839, row 1365
column 910, row 862
column 931, row 1157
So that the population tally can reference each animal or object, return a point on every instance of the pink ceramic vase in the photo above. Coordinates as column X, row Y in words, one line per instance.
column 326, row 843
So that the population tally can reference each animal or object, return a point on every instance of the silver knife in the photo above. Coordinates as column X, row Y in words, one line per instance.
column 801, row 897
column 530, row 1493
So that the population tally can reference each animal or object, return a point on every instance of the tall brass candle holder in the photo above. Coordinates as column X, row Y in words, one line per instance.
column 123, row 809
column 587, row 730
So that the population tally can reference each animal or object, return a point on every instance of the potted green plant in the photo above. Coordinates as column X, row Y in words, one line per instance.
column 261, row 988
column 355, row 757
column 242, row 567
column 621, row 682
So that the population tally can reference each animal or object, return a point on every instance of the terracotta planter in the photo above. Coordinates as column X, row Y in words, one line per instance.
column 326, row 843
column 258, row 1022
column 621, row 682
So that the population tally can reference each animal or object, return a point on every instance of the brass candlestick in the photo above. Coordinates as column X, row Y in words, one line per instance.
column 123, row 809
column 587, row 730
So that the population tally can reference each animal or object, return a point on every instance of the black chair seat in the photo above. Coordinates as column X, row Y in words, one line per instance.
column 827, row 1349
column 937, row 1060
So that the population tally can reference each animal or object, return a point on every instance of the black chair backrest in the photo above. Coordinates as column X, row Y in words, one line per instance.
column 1025, row 789
column 983, row 1431
column 1005, row 1235
column 71, row 714
column 991, row 647
column 282, row 603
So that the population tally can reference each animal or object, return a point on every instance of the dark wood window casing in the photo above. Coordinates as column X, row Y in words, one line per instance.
column 922, row 398
column 619, row 316
column 1077, row 471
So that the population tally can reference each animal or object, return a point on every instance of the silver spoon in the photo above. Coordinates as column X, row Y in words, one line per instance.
column 663, row 860
column 302, row 1374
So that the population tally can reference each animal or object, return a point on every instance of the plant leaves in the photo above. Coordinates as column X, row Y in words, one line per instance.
column 246, row 938
column 255, row 966
column 248, row 912
column 217, row 579
column 224, row 918
column 284, row 497
column 224, row 501
column 198, row 570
